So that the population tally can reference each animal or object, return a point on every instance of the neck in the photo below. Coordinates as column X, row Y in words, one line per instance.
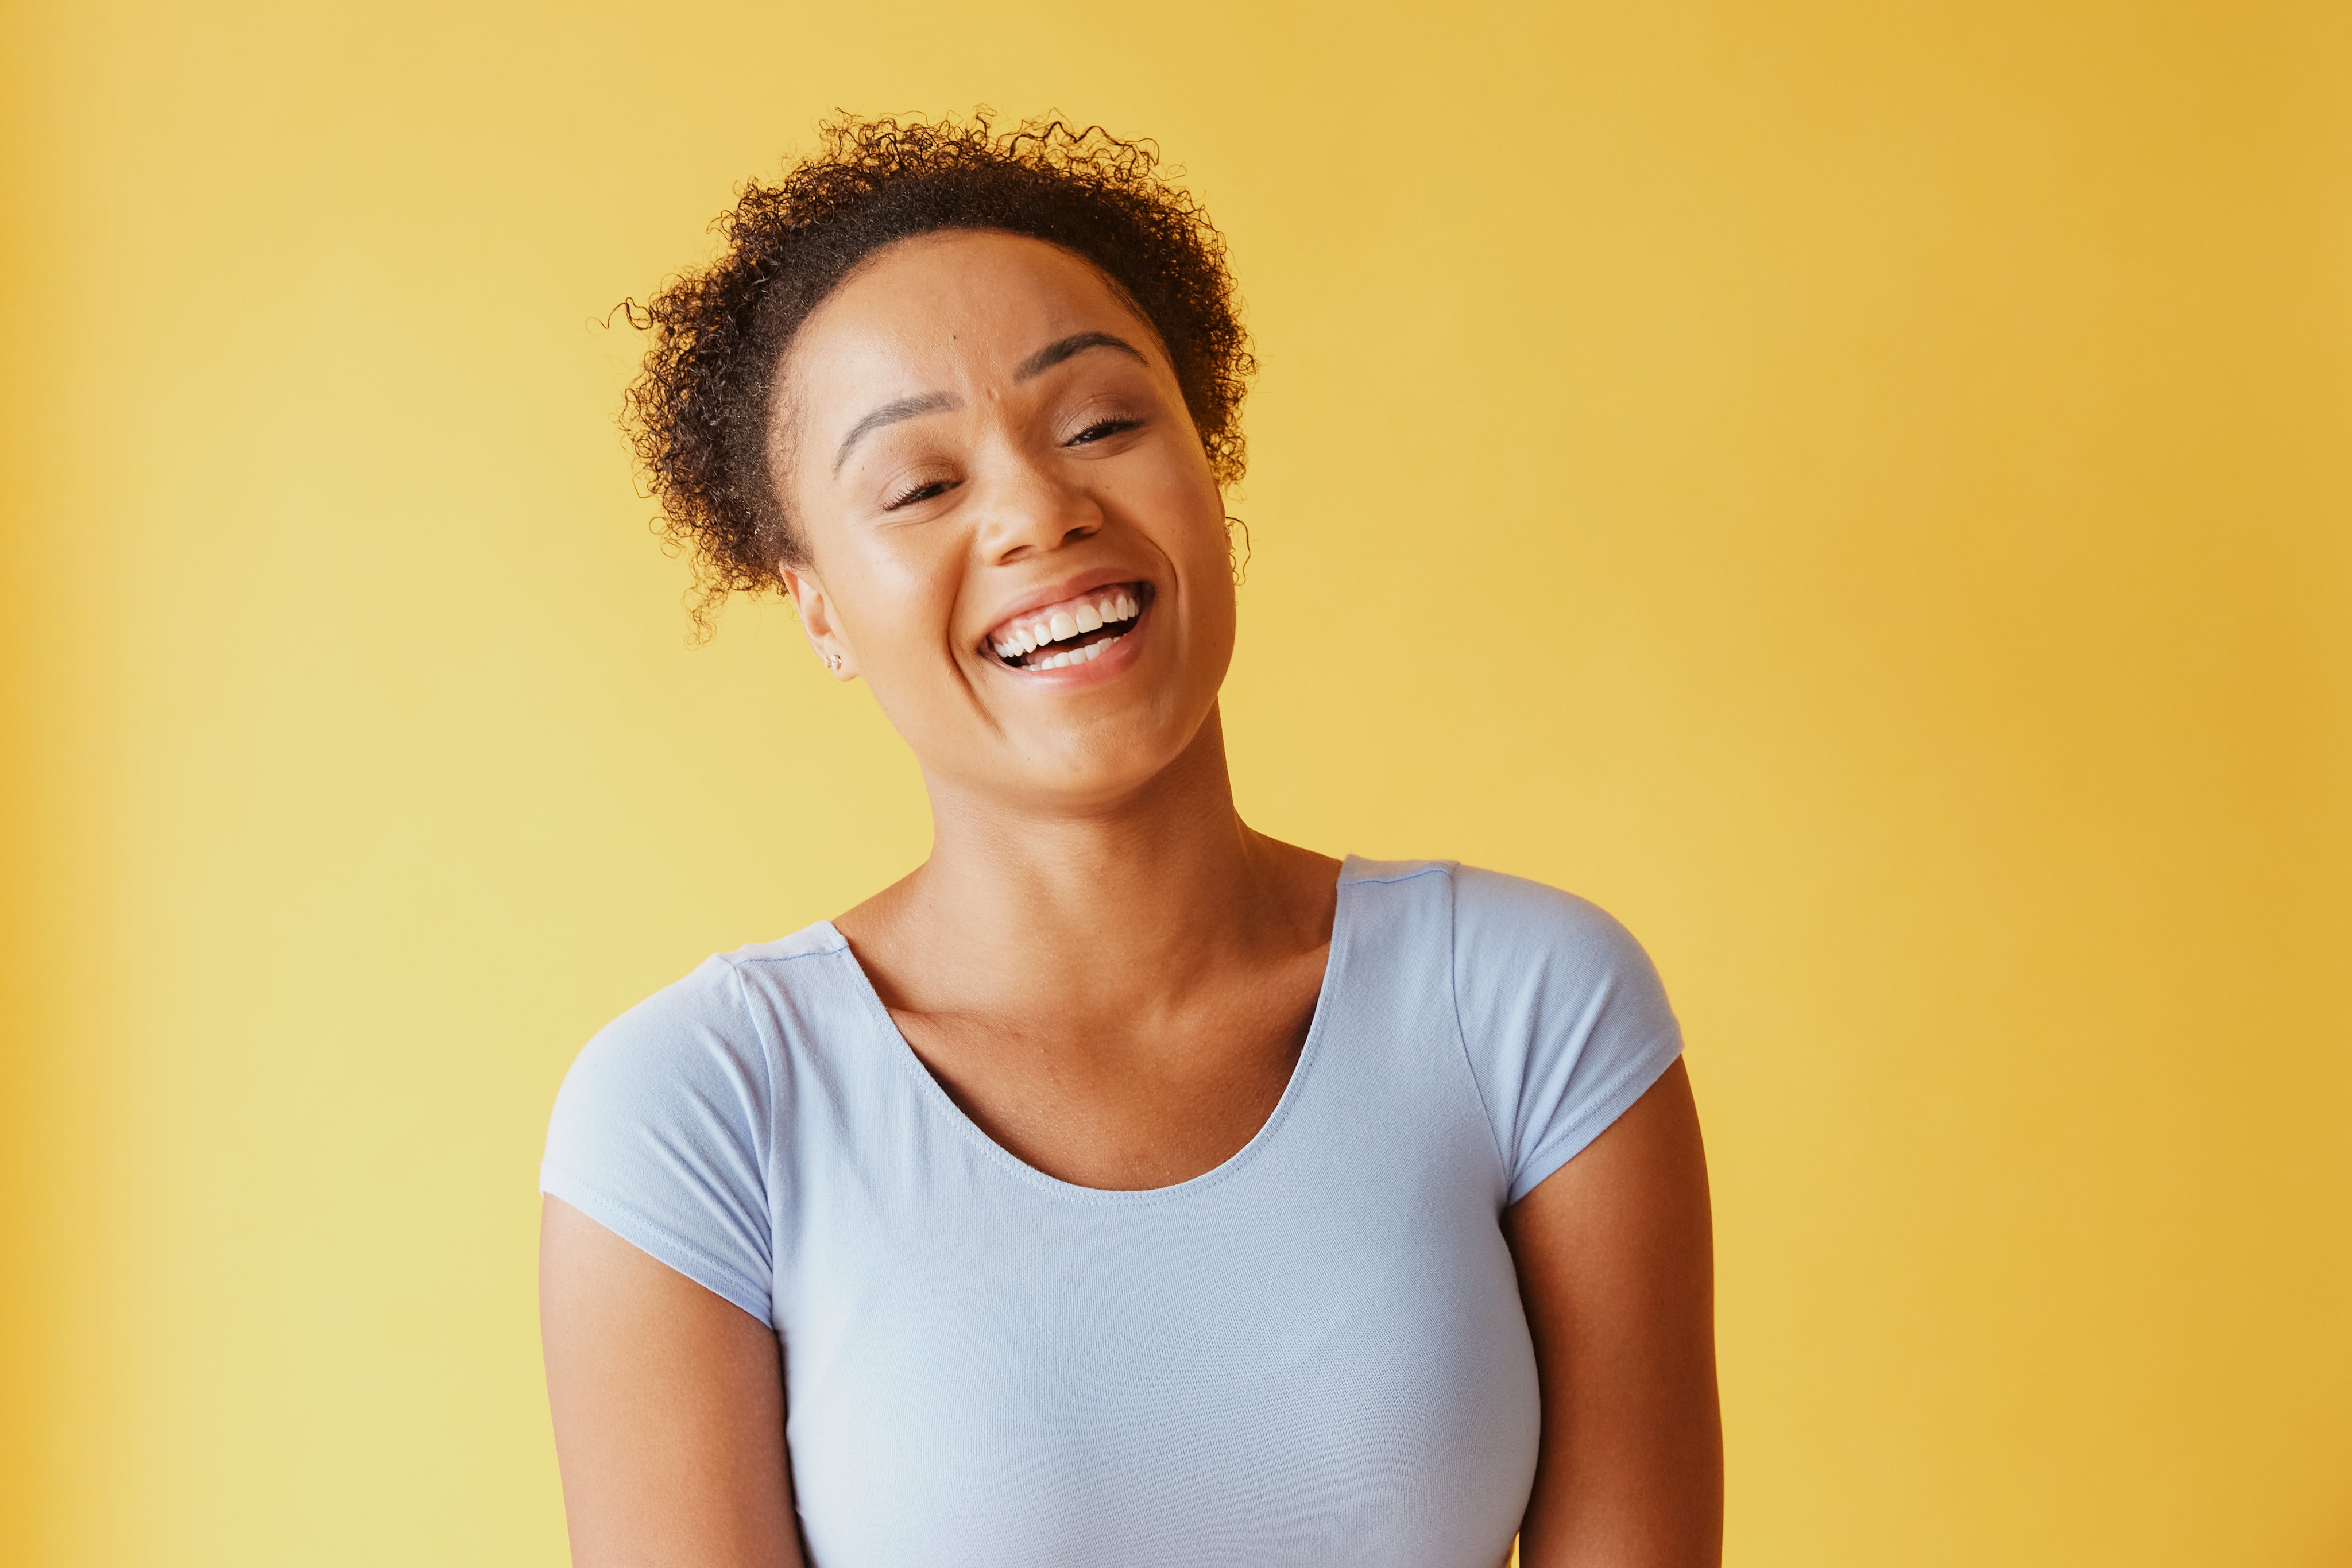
column 1106, row 906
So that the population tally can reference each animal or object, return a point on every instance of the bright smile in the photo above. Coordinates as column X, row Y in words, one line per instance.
column 1074, row 631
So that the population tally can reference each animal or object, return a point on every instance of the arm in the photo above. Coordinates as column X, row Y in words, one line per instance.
column 1616, row 1267
column 669, row 1410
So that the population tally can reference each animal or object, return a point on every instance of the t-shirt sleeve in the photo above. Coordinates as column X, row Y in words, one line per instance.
column 662, row 1133
column 1562, row 1015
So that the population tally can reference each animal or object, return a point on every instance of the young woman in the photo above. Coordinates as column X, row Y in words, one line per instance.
column 1121, row 1186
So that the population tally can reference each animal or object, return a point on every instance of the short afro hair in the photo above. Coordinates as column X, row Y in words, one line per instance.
column 700, row 413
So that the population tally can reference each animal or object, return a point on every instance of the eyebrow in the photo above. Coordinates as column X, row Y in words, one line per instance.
column 1036, row 364
column 891, row 413
column 1053, row 354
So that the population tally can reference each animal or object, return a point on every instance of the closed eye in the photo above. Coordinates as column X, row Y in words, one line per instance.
column 929, row 490
column 1102, row 429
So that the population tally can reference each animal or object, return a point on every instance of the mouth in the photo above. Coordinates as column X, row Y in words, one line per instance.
column 1073, row 631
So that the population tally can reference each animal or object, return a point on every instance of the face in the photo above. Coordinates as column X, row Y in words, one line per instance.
column 1013, row 533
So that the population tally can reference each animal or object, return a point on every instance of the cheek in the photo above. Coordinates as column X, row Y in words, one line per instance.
column 1185, row 493
column 1195, row 536
column 1214, row 544
column 901, row 625
column 896, row 612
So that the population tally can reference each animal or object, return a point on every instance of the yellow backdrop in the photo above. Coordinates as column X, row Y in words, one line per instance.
column 1859, row 490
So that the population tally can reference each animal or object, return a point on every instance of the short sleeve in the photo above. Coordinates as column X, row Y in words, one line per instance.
column 1562, row 1016
column 662, row 1133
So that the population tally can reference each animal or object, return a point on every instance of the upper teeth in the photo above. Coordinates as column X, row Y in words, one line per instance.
column 1064, row 622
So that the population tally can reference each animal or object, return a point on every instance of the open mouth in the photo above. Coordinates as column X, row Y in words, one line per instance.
column 1072, row 632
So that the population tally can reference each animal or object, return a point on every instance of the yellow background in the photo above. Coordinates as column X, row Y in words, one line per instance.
column 1862, row 491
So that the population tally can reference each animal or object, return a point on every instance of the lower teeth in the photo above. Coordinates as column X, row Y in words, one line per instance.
column 1069, row 657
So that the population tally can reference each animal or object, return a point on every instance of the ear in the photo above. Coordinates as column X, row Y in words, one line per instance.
column 817, row 623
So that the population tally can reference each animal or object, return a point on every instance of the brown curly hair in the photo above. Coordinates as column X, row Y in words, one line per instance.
column 700, row 413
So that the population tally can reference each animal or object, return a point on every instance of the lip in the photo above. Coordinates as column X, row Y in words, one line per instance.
column 1118, row 657
column 1070, row 587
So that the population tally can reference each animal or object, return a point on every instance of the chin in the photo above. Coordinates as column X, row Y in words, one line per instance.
column 1097, row 764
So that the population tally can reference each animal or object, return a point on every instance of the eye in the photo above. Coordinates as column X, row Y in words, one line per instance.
column 930, row 489
column 1102, row 429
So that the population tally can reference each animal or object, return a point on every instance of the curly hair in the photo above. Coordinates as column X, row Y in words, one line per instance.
column 700, row 413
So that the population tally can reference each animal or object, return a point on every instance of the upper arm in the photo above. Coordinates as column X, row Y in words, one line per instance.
column 1615, row 1258
column 656, row 1287
column 669, row 1409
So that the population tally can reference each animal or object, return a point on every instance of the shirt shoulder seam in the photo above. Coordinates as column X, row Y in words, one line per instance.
column 771, row 1059
column 1462, row 1034
column 1435, row 868
column 736, row 960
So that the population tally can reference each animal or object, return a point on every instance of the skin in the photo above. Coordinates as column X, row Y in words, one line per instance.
column 1108, row 971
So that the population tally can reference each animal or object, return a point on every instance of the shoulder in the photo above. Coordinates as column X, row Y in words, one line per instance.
column 717, row 1020
column 1562, row 1016
column 1499, row 925
column 1504, row 922
column 1539, row 957
column 666, row 1126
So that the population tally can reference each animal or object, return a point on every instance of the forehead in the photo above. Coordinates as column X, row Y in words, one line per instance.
column 946, row 310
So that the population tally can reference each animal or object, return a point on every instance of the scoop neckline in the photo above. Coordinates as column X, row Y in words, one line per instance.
column 944, row 1104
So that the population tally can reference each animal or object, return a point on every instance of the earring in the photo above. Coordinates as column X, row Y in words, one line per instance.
column 833, row 663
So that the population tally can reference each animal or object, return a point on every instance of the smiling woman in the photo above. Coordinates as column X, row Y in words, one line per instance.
column 1121, row 1186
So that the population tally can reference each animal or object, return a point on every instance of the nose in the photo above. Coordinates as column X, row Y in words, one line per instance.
column 1032, row 510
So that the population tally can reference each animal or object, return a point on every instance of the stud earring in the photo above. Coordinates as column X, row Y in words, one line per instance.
column 833, row 663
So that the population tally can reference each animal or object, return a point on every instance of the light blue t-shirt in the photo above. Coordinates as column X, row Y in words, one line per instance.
column 1314, row 1354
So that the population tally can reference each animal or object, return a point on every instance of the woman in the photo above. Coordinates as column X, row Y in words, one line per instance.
column 1121, row 1186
